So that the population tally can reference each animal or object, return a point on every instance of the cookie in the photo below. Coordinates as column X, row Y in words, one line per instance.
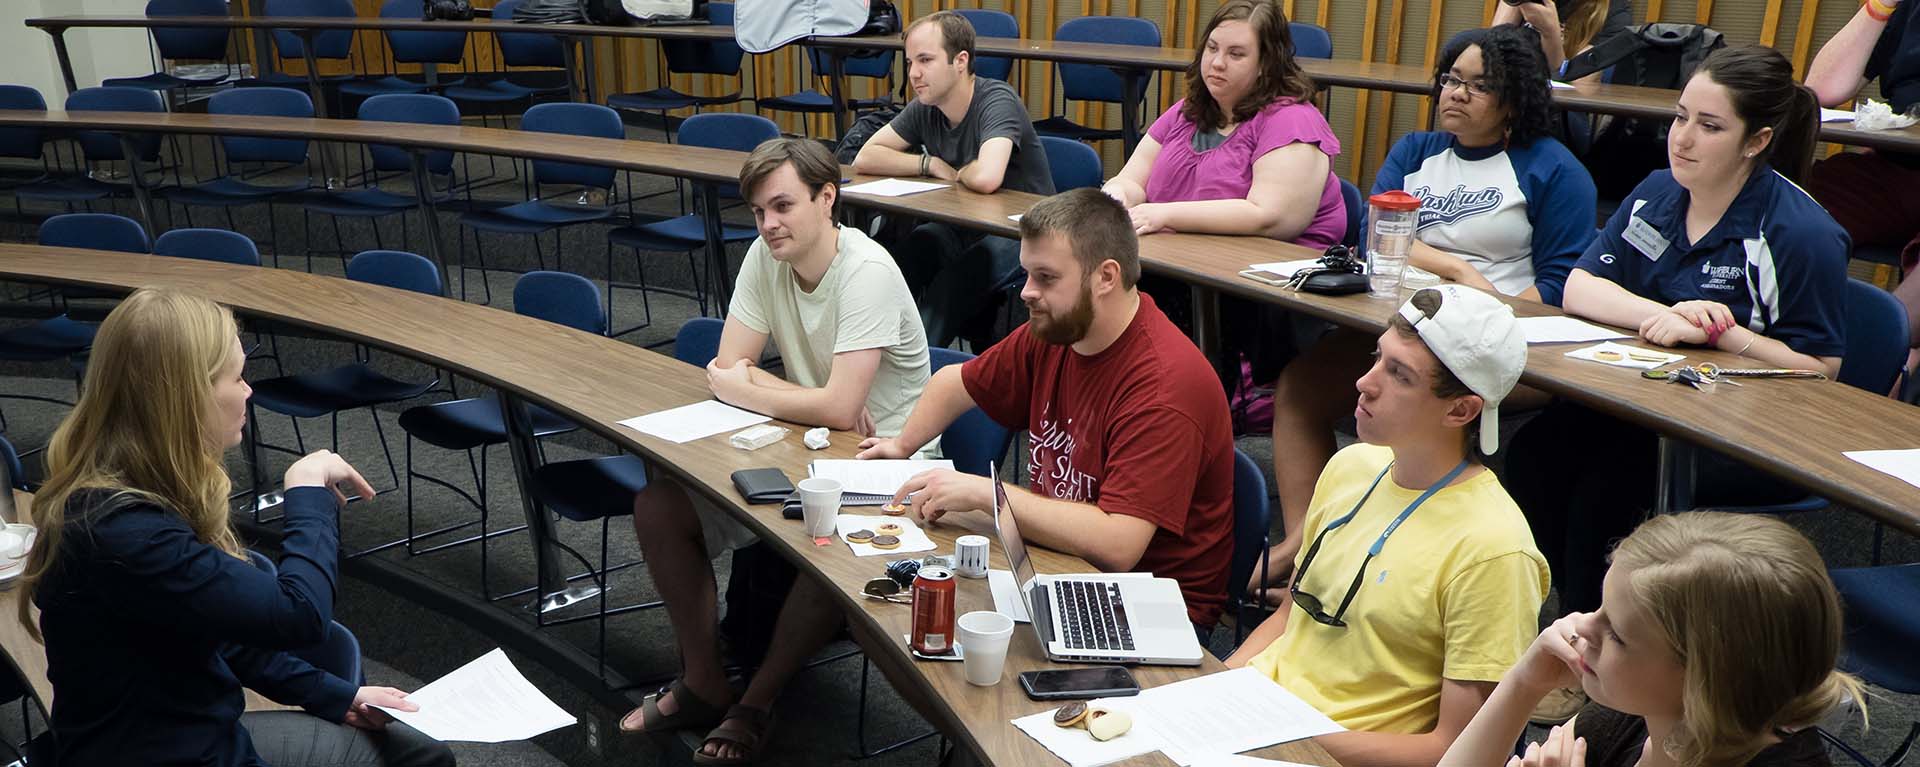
column 885, row 542
column 1607, row 355
column 1107, row 725
column 860, row 536
column 1071, row 715
column 887, row 528
column 893, row 509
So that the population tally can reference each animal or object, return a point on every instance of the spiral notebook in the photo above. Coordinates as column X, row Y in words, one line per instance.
column 871, row 483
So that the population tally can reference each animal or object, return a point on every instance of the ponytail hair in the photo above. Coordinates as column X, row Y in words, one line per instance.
column 1746, row 605
column 1760, row 83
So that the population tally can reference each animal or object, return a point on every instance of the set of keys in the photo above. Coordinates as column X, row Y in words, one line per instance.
column 1704, row 375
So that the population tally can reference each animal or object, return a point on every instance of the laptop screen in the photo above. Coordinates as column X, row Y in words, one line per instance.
column 1010, row 540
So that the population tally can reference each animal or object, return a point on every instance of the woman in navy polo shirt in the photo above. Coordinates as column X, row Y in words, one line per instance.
column 152, row 614
column 1723, row 250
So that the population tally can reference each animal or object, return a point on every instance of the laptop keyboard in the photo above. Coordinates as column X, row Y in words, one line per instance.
column 1092, row 616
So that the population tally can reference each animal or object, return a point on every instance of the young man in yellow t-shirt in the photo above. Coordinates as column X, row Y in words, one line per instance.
column 1420, row 584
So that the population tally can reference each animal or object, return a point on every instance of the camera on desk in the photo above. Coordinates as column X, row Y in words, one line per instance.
column 446, row 10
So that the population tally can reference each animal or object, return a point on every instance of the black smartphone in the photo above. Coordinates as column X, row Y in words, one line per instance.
column 1071, row 683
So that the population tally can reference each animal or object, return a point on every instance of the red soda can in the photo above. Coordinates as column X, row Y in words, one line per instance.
column 933, row 598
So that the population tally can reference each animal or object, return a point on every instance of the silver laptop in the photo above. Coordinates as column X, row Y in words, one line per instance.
column 1097, row 618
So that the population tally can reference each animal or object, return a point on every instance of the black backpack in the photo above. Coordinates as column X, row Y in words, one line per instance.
column 1651, row 55
column 861, row 130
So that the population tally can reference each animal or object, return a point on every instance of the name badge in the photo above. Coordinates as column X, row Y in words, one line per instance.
column 1642, row 236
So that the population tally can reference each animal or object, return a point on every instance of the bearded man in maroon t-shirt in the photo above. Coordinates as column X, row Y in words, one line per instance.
column 1130, row 442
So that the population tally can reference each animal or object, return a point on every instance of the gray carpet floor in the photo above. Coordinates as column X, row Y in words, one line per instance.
column 407, row 645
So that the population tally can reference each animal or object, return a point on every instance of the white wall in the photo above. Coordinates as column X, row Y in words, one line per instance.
column 26, row 54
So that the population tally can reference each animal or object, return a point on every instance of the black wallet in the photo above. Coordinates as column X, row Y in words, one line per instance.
column 1337, row 273
column 763, row 485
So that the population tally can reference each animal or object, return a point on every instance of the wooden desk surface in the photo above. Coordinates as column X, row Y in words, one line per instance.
column 597, row 381
column 1793, row 429
column 1622, row 100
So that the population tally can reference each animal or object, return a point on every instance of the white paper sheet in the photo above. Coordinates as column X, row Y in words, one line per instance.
column 912, row 538
column 1561, row 330
column 878, row 477
column 1239, row 760
column 893, row 187
column 1078, row 749
column 690, row 422
column 1226, row 713
column 1836, row 115
column 1626, row 356
column 485, row 701
column 1559, row 86
column 1903, row 464
column 1284, row 268
column 1015, row 218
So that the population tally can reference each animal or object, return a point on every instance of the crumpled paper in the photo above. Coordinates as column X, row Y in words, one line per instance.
column 815, row 439
column 1877, row 115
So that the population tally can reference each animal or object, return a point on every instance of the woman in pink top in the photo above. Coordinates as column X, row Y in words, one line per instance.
column 1228, row 158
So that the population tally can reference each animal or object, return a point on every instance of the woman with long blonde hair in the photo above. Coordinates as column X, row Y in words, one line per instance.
column 1714, row 646
column 152, row 614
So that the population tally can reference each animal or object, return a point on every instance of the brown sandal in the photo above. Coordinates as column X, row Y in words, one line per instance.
column 744, row 726
column 694, row 711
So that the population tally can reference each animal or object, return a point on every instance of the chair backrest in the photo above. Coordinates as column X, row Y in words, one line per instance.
column 1877, row 340
column 101, row 145
column 396, row 269
column 194, row 43
column 738, row 131
column 95, row 231
column 410, row 47
column 712, row 57
column 10, row 458
column 1310, row 40
column 1094, row 82
column 973, row 441
column 874, row 65
column 526, row 49
column 410, row 108
column 22, row 142
column 266, row 102
column 1072, row 163
column 698, row 341
column 1252, row 517
column 562, row 298
column 328, row 44
column 578, row 120
column 208, row 245
column 1350, row 194
column 991, row 23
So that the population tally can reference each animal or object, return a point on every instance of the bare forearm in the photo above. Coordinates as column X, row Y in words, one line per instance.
column 978, row 177
column 1129, row 192
column 789, row 402
column 1442, row 264
column 1080, row 529
column 1601, row 300
column 1839, row 69
column 941, row 402
column 876, row 160
column 1234, row 217
column 1773, row 352
column 1488, row 739
column 1383, row 749
column 1263, row 636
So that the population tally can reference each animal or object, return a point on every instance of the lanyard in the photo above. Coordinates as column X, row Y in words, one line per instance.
column 1374, row 550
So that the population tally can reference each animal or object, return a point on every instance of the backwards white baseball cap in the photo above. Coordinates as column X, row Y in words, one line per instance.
column 1479, row 340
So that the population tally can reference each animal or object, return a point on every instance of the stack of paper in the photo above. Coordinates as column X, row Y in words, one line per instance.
column 1194, row 722
column 1284, row 269
column 893, row 187
column 486, row 701
column 1903, row 464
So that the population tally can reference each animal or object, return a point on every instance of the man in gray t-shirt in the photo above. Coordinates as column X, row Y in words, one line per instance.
column 971, row 131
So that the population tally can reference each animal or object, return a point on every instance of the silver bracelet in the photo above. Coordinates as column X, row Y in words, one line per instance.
column 1750, row 339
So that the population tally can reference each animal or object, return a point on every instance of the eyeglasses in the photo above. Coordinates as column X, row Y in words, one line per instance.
column 1312, row 605
column 885, row 589
column 1474, row 87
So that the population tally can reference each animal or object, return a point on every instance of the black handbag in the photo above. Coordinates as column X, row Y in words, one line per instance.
column 446, row 10
column 1337, row 273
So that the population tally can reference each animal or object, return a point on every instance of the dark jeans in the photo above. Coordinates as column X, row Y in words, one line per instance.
column 952, row 275
column 299, row 739
column 1585, row 480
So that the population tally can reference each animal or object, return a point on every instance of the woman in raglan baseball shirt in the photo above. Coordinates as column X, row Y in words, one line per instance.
column 1504, row 208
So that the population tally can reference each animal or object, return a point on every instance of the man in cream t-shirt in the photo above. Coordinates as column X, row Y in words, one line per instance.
column 839, row 313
